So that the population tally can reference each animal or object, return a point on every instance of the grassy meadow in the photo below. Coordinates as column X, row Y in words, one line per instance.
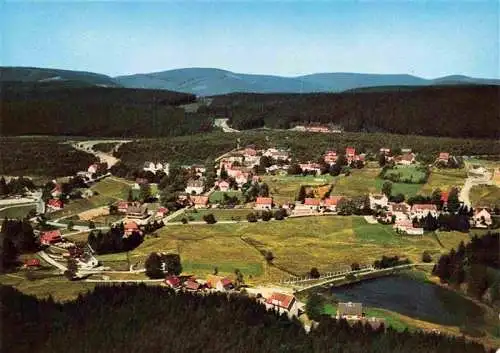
column 16, row 211
column 485, row 195
column 219, row 214
column 218, row 196
column 297, row 244
column 286, row 188
column 444, row 179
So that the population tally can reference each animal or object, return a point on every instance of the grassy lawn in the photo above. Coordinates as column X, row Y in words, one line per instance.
column 76, row 206
column 297, row 244
column 444, row 179
column 364, row 181
column 16, row 211
column 485, row 195
column 406, row 172
column 217, row 196
column 112, row 188
column 220, row 214
column 286, row 188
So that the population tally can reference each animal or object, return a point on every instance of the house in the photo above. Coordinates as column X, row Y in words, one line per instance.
column 406, row 150
column 422, row 210
column 87, row 261
column 350, row 311
column 406, row 226
column 255, row 179
column 87, row 193
column 161, row 212
column 156, row 167
column 192, row 285
column 280, row 155
column 263, row 203
column 50, row 237
column 137, row 211
column 32, row 263
column 55, row 205
column 235, row 158
column 219, row 283
column 283, row 303
column 330, row 203
column 97, row 168
column 330, row 157
column 482, row 218
column 400, row 210
column 249, row 152
column 350, row 153
column 122, row 206
column 311, row 204
column 311, row 167
column 405, row 159
column 222, row 185
column 56, row 191
column 443, row 157
column 173, row 281
column 385, row 150
column 199, row 170
column 378, row 201
column 195, row 186
column 200, row 201
column 131, row 227
column 241, row 178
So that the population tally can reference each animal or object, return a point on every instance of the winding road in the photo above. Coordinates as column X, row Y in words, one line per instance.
column 473, row 180
column 88, row 146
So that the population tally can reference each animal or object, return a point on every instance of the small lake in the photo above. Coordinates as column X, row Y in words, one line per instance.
column 413, row 298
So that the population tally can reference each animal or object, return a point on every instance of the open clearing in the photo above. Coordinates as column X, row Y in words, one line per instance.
column 444, row 179
column 285, row 188
column 406, row 172
column 234, row 214
column 218, row 196
column 297, row 244
column 485, row 195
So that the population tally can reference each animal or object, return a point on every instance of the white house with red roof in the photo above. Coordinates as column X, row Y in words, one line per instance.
column 241, row 178
column 122, row 206
column 330, row 157
column 400, row 210
column 263, row 203
column 219, row 283
column 385, row 150
column 50, row 237
column 222, row 185
column 481, row 218
column 330, row 203
column 283, row 303
column 173, row 281
column 56, row 191
column 405, row 159
column 443, row 157
column 161, row 212
column 131, row 227
column 422, row 210
column 310, row 204
column 406, row 226
column 278, row 154
column 199, row 201
column 350, row 154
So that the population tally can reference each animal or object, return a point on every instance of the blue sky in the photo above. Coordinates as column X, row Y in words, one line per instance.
column 423, row 38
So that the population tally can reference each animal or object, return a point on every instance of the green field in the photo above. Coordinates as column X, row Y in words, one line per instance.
column 16, row 211
column 217, row 196
column 444, row 179
column 113, row 187
column 285, row 188
column 485, row 195
column 297, row 244
column 406, row 172
column 220, row 214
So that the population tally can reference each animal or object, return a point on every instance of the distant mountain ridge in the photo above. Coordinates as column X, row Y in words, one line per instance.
column 211, row 81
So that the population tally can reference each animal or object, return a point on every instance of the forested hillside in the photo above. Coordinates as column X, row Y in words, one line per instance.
column 452, row 111
column 154, row 319
column 42, row 108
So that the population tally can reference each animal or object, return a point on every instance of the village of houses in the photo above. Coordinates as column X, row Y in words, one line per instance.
column 235, row 171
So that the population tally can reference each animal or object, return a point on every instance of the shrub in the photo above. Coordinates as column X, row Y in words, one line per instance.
column 280, row 214
column 266, row 215
column 184, row 220
column 426, row 257
column 209, row 218
column 251, row 217
column 314, row 273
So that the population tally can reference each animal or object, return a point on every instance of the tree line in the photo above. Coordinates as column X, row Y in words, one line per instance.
column 140, row 318
column 16, row 237
column 474, row 265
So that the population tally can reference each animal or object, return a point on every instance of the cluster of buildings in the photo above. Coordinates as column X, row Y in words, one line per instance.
column 330, row 157
column 353, row 312
column 332, row 129
column 191, row 283
column 407, row 157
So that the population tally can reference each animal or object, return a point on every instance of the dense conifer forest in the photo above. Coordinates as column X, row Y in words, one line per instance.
column 143, row 318
column 452, row 111
column 38, row 156
column 28, row 108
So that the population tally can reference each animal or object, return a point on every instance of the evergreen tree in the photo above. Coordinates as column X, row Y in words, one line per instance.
column 302, row 194
column 314, row 306
column 436, row 199
column 72, row 268
column 381, row 160
column 172, row 263
column 453, row 202
column 314, row 273
column 387, row 188
column 153, row 266
column 144, row 192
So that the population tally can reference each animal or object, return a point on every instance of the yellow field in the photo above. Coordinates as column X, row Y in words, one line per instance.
column 485, row 195
column 285, row 188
